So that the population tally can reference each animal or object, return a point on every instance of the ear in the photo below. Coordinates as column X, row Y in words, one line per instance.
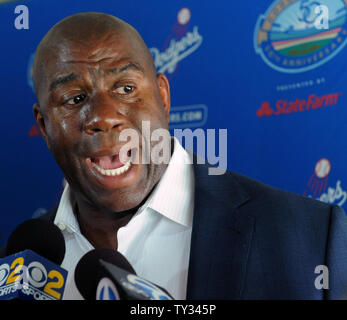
column 164, row 89
column 40, row 122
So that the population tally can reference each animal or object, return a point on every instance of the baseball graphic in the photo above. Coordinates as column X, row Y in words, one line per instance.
column 183, row 16
column 322, row 168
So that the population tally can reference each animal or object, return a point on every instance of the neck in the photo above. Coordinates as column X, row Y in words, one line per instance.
column 100, row 227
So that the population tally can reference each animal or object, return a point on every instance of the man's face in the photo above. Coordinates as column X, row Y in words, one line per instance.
column 90, row 92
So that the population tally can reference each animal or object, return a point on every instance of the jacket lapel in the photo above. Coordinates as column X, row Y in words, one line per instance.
column 221, row 237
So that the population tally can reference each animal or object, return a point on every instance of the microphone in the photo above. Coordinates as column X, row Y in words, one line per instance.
column 89, row 272
column 113, row 278
column 30, row 270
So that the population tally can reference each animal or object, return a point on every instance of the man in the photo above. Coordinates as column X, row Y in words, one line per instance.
column 197, row 235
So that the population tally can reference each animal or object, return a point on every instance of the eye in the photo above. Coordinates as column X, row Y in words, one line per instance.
column 77, row 99
column 124, row 90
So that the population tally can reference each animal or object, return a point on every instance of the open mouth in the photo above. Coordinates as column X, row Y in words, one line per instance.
column 111, row 165
column 113, row 172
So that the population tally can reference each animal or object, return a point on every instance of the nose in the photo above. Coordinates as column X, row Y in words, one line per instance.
column 104, row 115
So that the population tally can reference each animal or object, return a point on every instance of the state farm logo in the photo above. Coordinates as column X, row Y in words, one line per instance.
column 312, row 102
column 318, row 188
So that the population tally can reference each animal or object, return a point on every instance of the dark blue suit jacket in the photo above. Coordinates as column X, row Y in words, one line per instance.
column 252, row 241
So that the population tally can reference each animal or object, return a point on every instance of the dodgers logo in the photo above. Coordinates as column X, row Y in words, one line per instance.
column 318, row 188
column 179, row 45
column 291, row 38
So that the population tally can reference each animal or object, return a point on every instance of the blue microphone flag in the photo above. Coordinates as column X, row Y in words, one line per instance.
column 28, row 276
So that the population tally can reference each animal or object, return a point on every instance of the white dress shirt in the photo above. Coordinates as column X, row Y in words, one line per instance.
column 156, row 241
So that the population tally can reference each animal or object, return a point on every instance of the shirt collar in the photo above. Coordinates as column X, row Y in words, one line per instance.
column 173, row 196
column 65, row 217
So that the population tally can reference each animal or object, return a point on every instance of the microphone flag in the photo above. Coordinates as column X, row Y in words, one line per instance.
column 28, row 276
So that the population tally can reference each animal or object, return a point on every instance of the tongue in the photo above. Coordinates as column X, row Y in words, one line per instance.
column 108, row 162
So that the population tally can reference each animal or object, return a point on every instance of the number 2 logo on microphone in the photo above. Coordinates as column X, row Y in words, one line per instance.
column 31, row 277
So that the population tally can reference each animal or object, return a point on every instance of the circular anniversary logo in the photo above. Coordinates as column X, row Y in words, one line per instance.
column 299, row 35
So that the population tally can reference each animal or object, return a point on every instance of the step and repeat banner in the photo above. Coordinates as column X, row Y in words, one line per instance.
column 273, row 73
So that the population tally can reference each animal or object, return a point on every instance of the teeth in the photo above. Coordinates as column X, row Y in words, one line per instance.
column 113, row 172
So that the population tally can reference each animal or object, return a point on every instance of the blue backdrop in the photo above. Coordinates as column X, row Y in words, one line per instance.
column 273, row 73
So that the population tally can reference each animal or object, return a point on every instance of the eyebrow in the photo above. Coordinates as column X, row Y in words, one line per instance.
column 73, row 76
column 130, row 65
column 62, row 80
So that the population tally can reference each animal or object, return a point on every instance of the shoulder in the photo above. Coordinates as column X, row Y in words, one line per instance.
column 271, row 199
column 261, row 192
column 232, row 184
column 286, row 214
column 264, row 201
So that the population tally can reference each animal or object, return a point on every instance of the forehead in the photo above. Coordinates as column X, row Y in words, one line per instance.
column 66, row 53
column 97, row 52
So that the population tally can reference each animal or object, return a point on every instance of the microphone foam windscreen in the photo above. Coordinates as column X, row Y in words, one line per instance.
column 89, row 271
column 40, row 236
